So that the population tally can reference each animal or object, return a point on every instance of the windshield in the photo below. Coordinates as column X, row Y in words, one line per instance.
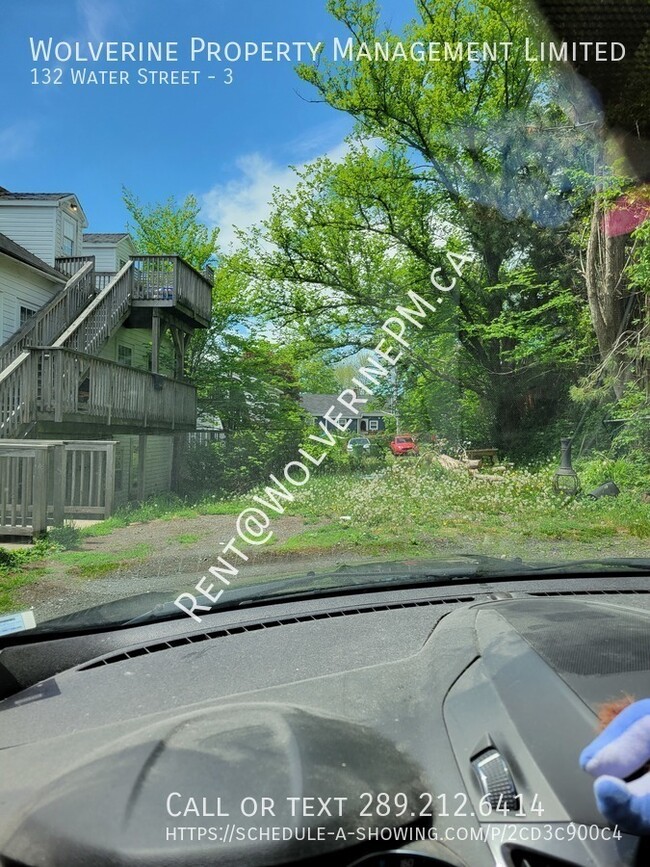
column 294, row 319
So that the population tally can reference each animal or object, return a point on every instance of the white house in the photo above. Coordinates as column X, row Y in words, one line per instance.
column 27, row 283
column 49, row 225
column 92, row 347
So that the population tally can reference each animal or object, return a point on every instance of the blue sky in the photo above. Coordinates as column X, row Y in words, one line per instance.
column 228, row 145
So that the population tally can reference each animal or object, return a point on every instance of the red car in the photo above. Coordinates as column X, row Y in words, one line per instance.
column 403, row 445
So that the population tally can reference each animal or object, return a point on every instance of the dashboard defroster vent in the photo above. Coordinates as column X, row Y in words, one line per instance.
column 271, row 623
column 610, row 592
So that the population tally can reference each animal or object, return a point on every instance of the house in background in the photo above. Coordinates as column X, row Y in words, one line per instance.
column 91, row 361
column 111, row 251
column 367, row 422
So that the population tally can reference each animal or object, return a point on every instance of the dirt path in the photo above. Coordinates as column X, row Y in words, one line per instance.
column 170, row 556
column 178, row 553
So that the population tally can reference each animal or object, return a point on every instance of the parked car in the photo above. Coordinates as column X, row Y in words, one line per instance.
column 358, row 443
column 403, row 445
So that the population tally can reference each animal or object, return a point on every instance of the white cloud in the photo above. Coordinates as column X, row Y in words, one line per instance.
column 98, row 17
column 17, row 140
column 244, row 200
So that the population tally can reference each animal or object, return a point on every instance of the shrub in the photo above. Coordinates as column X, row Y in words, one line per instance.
column 67, row 537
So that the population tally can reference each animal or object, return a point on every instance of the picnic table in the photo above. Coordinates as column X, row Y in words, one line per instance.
column 483, row 455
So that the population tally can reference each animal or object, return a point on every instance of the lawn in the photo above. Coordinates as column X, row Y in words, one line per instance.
column 405, row 508
column 413, row 505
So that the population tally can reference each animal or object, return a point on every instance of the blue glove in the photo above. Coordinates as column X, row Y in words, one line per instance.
column 619, row 751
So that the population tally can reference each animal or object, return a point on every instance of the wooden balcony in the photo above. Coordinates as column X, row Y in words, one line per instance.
column 158, row 281
column 168, row 281
column 73, row 388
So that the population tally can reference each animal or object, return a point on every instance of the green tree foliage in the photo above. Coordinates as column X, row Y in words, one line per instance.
column 172, row 229
column 472, row 157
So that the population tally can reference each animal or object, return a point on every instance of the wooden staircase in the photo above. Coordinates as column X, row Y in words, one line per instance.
column 45, row 364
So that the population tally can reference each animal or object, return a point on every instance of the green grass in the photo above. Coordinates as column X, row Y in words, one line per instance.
column 410, row 506
column 94, row 564
column 407, row 508
column 186, row 538
column 25, row 566
column 167, row 508
column 11, row 580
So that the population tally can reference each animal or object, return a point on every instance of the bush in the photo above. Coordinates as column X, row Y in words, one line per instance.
column 67, row 537
column 627, row 474
column 238, row 463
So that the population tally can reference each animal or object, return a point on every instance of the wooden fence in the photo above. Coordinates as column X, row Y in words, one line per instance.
column 45, row 481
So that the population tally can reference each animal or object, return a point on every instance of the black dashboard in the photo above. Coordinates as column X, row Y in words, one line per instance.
column 434, row 725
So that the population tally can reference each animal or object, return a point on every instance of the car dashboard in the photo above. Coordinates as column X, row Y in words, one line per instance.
column 436, row 725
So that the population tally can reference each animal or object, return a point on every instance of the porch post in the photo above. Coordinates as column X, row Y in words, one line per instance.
column 155, row 340
column 58, row 492
column 142, row 453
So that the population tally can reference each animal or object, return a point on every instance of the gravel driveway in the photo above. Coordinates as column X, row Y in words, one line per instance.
column 180, row 551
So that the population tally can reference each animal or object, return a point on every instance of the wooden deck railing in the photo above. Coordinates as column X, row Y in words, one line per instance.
column 23, row 500
column 50, row 321
column 75, row 386
column 71, row 264
column 102, row 279
column 169, row 280
column 15, row 396
column 44, row 481
column 152, row 280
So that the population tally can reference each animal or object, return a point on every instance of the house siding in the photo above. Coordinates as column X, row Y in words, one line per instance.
column 158, row 465
column 39, row 228
column 21, row 285
column 139, row 341
column 104, row 257
column 64, row 213
column 33, row 227
column 109, row 256
column 358, row 425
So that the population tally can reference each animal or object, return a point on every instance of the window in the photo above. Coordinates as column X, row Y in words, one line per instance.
column 69, row 237
column 373, row 424
column 25, row 314
column 125, row 355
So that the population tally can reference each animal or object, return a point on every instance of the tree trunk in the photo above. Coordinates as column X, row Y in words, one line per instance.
column 605, row 292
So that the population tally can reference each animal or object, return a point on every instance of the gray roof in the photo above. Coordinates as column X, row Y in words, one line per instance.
column 104, row 237
column 11, row 248
column 6, row 194
column 318, row 404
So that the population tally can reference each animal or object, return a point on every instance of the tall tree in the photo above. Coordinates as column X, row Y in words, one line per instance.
column 172, row 228
column 475, row 155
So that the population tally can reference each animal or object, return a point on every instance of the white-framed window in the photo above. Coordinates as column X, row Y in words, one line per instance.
column 24, row 314
column 125, row 354
column 373, row 424
column 69, row 237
